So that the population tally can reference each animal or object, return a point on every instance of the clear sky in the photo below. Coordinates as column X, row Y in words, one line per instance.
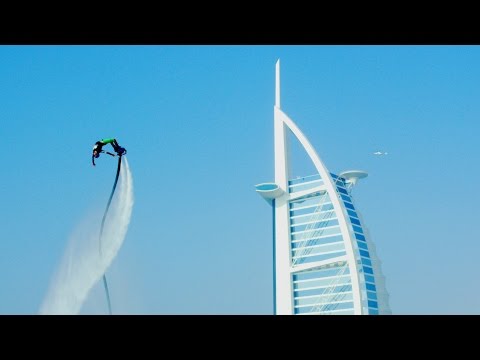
column 197, row 122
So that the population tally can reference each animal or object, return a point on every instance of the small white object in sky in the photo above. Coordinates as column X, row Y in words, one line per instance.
column 380, row 153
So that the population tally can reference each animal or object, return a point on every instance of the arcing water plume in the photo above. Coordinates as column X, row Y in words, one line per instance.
column 82, row 265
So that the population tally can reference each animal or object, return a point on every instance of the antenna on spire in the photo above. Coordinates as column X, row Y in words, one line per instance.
column 277, row 84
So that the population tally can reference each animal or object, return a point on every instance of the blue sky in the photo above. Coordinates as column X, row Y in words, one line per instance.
column 197, row 122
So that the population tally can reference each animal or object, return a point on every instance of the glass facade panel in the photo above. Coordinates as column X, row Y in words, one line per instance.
column 355, row 221
column 357, row 229
column 336, row 312
column 316, row 233
column 364, row 253
column 366, row 261
column 315, row 299
column 318, row 241
column 309, row 217
column 314, row 225
column 305, row 186
column 329, row 307
column 338, row 280
column 304, row 179
column 310, row 201
column 332, row 303
column 360, row 237
column 362, row 245
column 368, row 270
column 352, row 213
column 310, row 209
column 371, row 295
column 311, row 250
column 348, row 205
column 320, row 273
column 313, row 258
column 321, row 291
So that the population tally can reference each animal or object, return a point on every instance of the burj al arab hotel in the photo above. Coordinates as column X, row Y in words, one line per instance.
column 324, row 262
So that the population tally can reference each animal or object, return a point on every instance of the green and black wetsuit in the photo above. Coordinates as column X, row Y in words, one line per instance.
column 99, row 145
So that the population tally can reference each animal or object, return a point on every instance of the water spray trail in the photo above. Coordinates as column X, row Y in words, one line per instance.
column 82, row 266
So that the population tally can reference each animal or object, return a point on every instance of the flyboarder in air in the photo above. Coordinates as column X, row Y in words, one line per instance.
column 97, row 149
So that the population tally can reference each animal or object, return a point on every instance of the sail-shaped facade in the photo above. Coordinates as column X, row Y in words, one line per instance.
column 324, row 261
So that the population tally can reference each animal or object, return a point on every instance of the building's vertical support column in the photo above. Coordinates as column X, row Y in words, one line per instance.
column 274, row 273
column 284, row 296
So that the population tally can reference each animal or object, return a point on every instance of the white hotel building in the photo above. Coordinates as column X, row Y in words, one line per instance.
column 324, row 261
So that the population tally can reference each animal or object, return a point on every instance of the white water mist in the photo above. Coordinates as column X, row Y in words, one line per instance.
column 82, row 266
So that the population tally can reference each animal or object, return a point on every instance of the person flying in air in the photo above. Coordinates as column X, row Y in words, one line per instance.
column 97, row 149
